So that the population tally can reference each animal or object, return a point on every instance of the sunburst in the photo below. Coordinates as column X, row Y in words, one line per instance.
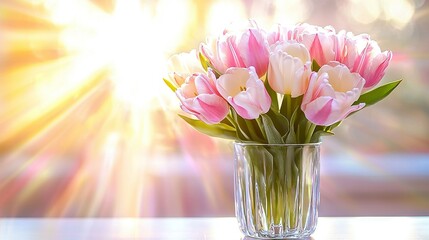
column 78, row 97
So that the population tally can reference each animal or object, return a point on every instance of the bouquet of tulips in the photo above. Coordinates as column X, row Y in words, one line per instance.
column 281, row 88
column 292, row 84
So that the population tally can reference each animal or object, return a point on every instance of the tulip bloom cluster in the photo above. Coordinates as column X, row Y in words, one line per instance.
column 289, row 85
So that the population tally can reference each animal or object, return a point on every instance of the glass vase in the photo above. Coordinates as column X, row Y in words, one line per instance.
column 277, row 189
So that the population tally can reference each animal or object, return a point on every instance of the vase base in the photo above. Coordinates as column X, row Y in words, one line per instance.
column 279, row 232
column 277, row 238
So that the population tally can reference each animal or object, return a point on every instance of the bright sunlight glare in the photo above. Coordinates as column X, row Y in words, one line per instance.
column 83, row 89
column 132, row 41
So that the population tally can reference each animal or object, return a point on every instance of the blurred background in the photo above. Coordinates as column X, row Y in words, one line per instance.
column 88, row 129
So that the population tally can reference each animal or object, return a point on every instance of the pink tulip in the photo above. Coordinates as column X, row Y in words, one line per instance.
column 285, row 33
column 182, row 66
column 238, row 49
column 331, row 93
column 365, row 57
column 289, row 68
column 323, row 44
column 200, row 98
column 246, row 93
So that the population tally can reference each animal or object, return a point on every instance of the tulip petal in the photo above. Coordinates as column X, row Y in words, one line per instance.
column 247, row 107
column 330, row 95
column 257, row 54
column 183, row 65
column 244, row 91
column 319, row 110
column 378, row 67
column 288, row 73
column 199, row 97
column 241, row 49
column 215, row 108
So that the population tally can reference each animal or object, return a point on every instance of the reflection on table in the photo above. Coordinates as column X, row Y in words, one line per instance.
column 203, row 228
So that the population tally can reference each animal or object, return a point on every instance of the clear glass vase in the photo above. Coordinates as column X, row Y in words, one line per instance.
column 277, row 189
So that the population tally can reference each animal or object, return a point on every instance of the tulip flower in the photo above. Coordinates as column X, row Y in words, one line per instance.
column 238, row 49
column 331, row 93
column 183, row 65
column 323, row 44
column 285, row 33
column 365, row 57
column 199, row 97
column 246, row 93
column 316, row 69
column 289, row 68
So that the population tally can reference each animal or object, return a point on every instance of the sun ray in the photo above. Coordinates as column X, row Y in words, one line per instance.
column 80, row 80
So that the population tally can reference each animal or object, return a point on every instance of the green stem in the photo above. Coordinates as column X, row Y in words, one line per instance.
column 261, row 127
column 252, row 131
column 241, row 133
column 310, row 132
column 231, row 119
column 286, row 108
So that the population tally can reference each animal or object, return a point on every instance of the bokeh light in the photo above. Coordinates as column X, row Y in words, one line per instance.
column 398, row 12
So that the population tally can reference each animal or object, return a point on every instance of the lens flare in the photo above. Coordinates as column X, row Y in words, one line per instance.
column 78, row 103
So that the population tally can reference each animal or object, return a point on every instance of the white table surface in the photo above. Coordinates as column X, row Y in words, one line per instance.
column 203, row 228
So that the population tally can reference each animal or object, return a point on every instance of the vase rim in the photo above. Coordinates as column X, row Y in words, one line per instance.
column 277, row 144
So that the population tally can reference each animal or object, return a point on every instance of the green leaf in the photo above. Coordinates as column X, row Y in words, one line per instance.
column 272, row 93
column 316, row 136
column 241, row 127
column 254, row 130
column 331, row 127
column 261, row 163
column 203, row 60
column 286, row 108
column 228, row 122
column 220, row 130
column 315, row 66
column 261, row 159
column 291, row 136
column 205, row 63
column 273, row 136
column 302, row 125
column 280, row 122
column 377, row 94
column 170, row 84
